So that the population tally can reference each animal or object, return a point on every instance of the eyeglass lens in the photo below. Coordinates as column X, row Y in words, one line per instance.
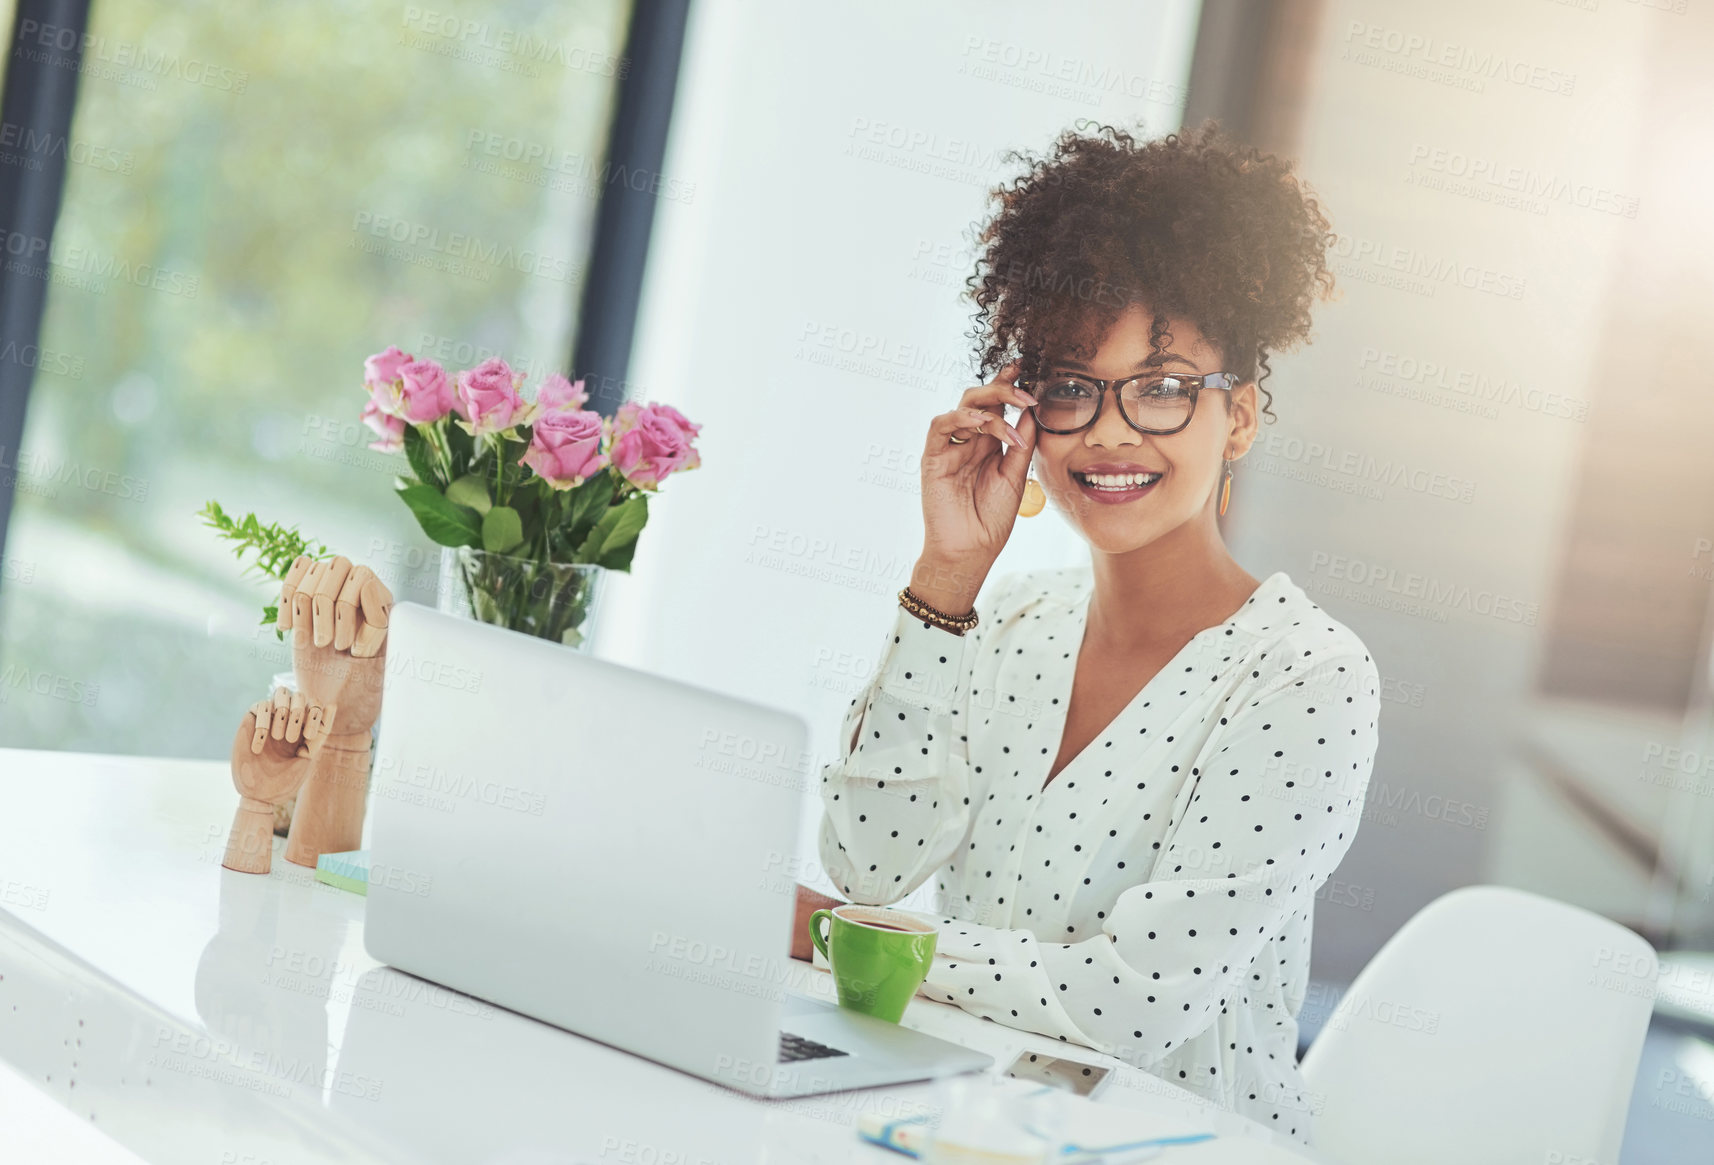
column 1069, row 402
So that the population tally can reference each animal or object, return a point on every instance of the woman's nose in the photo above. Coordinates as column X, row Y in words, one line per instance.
column 1110, row 428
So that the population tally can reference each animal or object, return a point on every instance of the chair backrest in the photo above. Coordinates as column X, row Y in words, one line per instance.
column 1495, row 1026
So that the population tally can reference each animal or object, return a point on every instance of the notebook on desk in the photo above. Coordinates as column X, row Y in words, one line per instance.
column 598, row 848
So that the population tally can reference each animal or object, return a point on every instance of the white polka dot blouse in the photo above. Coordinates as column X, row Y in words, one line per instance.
column 1154, row 901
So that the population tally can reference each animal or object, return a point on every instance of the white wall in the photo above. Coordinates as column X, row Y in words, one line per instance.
column 803, row 304
column 1417, row 144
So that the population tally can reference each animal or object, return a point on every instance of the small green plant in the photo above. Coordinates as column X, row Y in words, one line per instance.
column 275, row 547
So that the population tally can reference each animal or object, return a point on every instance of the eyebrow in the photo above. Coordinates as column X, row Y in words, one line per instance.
column 1154, row 361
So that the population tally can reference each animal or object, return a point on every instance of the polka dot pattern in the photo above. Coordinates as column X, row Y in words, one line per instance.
column 1155, row 900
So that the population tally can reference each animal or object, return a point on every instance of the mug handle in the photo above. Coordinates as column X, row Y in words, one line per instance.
column 815, row 932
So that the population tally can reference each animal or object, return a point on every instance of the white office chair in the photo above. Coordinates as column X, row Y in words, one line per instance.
column 1496, row 1026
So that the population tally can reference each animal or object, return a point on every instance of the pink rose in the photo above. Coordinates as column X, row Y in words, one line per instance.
column 487, row 397
column 424, row 395
column 652, row 441
column 565, row 448
column 557, row 392
column 390, row 429
column 381, row 370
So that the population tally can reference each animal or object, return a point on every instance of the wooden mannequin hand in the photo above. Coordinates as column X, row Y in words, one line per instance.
column 338, row 615
column 277, row 744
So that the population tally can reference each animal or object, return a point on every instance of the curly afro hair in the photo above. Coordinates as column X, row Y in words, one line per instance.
column 1195, row 225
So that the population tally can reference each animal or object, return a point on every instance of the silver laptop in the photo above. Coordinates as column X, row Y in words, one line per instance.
column 611, row 852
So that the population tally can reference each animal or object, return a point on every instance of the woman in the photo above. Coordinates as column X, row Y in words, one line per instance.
column 1126, row 780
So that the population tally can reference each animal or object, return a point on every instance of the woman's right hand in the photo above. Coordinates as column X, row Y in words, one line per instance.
column 971, row 491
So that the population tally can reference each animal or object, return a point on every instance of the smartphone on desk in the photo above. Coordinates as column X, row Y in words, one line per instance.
column 1085, row 1080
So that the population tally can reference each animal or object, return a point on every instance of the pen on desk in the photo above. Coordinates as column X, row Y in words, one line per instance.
column 1110, row 1154
column 909, row 1136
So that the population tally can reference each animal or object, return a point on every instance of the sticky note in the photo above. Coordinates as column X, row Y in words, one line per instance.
column 346, row 871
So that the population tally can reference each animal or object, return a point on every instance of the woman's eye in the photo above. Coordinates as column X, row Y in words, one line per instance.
column 1165, row 388
column 1067, row 388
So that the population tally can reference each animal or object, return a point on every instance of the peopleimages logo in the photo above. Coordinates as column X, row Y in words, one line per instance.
column 868, row 350
column 1523, row 181
column 45, row 469
column 258, row 1069
column 1407, row 262
column 458, row 245
column 36, row 145
column 1366, row 467
column 1062, row 76
column 437, row 785
column 43, row 258
column 825, row 559
column 437, row 672
column 524, row 45
column 1411, row 592
column 1699, row 568
column 18, row 677
column 22, row 895
column 543, row 165
column 43, row 359
column 1375, row 44
column 36, row 41
column 1431, row 374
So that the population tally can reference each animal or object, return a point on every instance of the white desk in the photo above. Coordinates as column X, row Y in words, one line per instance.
column 198, row 1015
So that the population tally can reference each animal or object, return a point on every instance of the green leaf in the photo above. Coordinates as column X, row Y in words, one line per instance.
column 527, row 502
column 590, row 498
column 275, row 547
column 502, row 530
column 585, row 504
column 462, row 446
column 618, row 527
column 445, row 522
column 420, row 455
column 619, row 559
column 471, row 491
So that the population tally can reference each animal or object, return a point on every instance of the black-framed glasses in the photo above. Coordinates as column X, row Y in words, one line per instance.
column 1156, row 403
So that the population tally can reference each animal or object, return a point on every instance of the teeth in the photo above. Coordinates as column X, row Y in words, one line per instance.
column 1120, row 481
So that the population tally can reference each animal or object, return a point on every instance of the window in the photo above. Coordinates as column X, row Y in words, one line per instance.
column 257, row 198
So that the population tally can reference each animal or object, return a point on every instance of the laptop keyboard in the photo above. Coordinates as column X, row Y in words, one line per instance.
column 797, row 1048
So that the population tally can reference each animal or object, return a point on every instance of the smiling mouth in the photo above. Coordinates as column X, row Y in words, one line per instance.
column 1115, row 483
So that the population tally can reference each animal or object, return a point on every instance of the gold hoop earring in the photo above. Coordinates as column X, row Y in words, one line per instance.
column 1033, row 500
column 1226, row 487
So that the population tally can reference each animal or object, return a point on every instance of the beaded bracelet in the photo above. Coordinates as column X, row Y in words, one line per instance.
column 956, row 624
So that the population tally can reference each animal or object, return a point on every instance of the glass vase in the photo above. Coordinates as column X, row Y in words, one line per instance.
column 550, row 600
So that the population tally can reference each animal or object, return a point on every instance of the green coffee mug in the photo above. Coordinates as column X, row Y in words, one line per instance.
column 879, row 957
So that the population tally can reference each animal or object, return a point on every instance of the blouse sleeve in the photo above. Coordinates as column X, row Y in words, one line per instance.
column 1249, row 852
column 896, row 805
